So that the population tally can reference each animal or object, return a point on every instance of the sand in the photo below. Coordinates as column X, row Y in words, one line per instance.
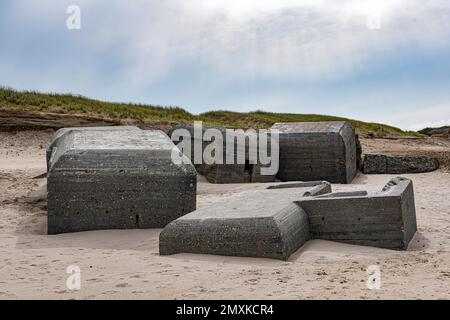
column 125, row 264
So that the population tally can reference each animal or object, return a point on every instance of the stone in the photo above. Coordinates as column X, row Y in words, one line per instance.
column 115, row 179
column 383, row 164
column 312, row 151
column 277, row 221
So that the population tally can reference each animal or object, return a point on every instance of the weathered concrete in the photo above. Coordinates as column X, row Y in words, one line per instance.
column 275, row 222
column 240, row 171
column 382, row 164
column 317, row 187
column 386, row 219
column 359, row 159
column 51, row 146
column 105, row 179
column 263, row 223
column 317, row 151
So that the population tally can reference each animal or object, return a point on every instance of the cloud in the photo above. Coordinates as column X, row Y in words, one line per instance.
column 420, row 118
column 304, row 40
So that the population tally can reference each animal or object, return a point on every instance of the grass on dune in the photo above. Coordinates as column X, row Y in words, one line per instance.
column 35, row 102
column 429, row 130
column 79, row 105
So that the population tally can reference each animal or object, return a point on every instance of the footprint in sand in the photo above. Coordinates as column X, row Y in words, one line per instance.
column 122, row 285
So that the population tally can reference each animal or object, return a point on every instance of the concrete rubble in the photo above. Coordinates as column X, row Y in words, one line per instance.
column 125, row 177
column 382, row 164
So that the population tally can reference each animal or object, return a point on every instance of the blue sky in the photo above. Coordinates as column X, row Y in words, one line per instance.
column 382, row 61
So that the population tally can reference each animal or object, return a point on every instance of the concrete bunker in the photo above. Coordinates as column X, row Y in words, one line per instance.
column 312, row 151
column 263, row 223
column 385, row 219
column 275, row 222
column 106, row 179
column 242, row 169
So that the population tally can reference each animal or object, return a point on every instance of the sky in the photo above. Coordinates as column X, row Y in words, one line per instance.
column 372, row 60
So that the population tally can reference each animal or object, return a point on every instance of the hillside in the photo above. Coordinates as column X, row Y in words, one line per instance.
column 25, row 105
column 441, row 131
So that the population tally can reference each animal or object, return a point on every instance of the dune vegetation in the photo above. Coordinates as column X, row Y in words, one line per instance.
column 38, row 103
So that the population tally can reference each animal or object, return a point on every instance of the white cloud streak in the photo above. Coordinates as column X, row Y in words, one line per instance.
column 288, row 39
column 426, row 116
column 306, row 40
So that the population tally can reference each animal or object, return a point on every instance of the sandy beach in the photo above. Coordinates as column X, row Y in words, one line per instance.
column 125, row 264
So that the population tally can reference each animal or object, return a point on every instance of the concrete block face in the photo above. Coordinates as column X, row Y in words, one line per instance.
column 404, row 188
column 105, row 179
column 317, row 151
column 240, row 171
column 293, row 224
column 264, row 223
column 349, row 138
column 382, row 164
column 359, row 158
column 233, row 173
column 386, row 219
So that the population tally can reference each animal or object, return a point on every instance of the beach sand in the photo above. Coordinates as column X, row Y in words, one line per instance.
column 125, row 264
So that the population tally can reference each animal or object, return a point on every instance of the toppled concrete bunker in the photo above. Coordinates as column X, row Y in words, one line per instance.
column 111, row 179
column 264, row 223
column 312, row 151
column 274, row 223
column 385, row 219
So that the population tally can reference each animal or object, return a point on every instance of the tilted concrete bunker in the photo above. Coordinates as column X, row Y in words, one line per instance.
column 274, row 223
column 312, row 151
column 264, row 223
column 116, row 179
column 385, row 219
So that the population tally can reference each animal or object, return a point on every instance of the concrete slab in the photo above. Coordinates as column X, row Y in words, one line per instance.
column 262, row 223
column 111, row 179
column 63, row 131
column 312, row 151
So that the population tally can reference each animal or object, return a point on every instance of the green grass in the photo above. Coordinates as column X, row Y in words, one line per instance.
column 35, row 102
